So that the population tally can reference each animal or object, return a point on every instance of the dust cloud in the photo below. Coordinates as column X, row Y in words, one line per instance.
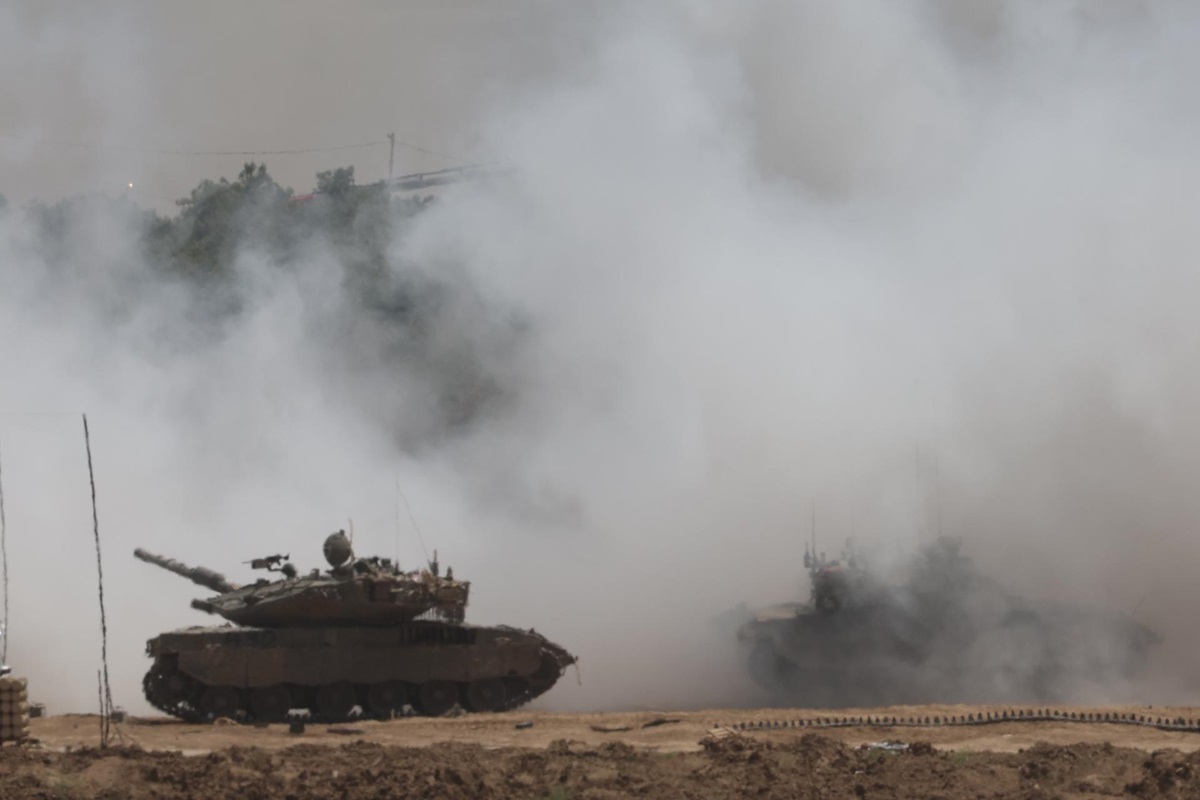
column 924, row 264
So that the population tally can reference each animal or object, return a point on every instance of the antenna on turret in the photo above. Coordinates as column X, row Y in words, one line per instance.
column 397, row 561
column 810, row 554
column 937, row 491
column 416, row 527
column 814, row 527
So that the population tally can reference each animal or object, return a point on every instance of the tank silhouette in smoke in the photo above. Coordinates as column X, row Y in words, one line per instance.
column 948, row 634
column 360, row 636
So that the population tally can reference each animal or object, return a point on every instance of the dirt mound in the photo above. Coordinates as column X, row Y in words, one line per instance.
column 727, row 765
column 1167, row 774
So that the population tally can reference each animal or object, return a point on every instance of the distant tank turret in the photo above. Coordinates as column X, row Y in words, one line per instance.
column 948, row 634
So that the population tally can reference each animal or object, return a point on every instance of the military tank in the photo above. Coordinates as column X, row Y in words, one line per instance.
column 362, row 637
column 946, row 635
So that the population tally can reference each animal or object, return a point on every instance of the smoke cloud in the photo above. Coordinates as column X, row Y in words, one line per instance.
column 926, row 265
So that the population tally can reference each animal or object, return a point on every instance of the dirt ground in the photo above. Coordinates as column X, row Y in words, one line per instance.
column 686, row 755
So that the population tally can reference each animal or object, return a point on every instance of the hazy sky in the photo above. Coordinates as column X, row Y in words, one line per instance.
column 263, row 75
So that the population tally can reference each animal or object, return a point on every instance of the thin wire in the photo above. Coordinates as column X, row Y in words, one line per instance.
column 38, row 413
column 425, row 150
column 118, row 148
column 167, row 152
column 416, row 527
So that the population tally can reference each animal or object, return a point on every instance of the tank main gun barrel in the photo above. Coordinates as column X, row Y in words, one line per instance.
column 201, row 576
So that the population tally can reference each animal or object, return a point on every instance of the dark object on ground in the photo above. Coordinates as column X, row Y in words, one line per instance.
column 654, row 723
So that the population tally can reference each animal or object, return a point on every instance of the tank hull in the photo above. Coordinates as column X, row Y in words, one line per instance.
column 426, row 667
column 889, row 654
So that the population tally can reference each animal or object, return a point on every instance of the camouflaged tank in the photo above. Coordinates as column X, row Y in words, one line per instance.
column 361, row 637
column 946, row 635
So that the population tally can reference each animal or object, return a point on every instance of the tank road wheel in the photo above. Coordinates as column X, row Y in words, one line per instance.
column 516, row 693
column 157, row 688
column 438, row 697
column 387, row 698
column 336, row 700
column 486, row 695
column 302, row 696
column 271, row 703
column 220, row 701
column 182, row 688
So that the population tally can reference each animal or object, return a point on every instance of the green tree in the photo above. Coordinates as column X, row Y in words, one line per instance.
column 219, row 217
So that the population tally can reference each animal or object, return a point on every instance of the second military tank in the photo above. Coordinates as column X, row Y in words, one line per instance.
column 360, row 637
column 946, row 635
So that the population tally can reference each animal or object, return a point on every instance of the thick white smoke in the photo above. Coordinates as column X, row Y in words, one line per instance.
column 740, row 259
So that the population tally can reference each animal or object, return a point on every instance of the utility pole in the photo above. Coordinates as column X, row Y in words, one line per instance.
column 391, row 154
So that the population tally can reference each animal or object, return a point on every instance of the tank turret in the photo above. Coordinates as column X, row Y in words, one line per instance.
column 361, row 634
column 362, row 591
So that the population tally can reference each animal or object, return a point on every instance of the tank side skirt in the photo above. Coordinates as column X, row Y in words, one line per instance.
column 417, row 654
column 314, row 666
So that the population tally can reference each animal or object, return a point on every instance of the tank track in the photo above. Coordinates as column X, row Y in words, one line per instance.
column 161, row 700
column 1178, row 724
column 168, row 693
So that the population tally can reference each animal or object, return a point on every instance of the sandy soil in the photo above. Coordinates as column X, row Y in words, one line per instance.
column 689, row 754
column 678, row 731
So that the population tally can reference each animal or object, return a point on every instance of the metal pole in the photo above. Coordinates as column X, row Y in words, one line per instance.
column 106, row 692
column 4, row 570
column 391, row 154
